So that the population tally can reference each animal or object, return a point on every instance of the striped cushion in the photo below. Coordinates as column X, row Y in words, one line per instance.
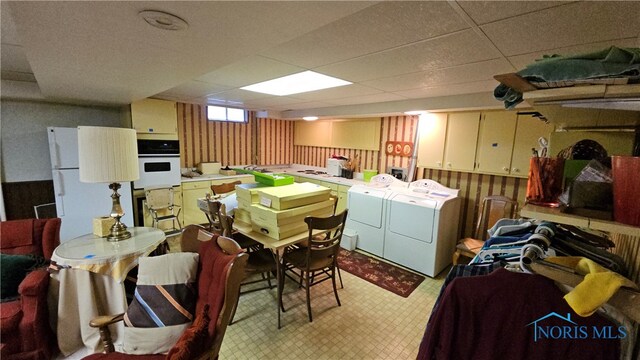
column 163, row 305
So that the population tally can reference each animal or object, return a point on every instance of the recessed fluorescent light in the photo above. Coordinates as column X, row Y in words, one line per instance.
column 309, row 118
column 296, row 83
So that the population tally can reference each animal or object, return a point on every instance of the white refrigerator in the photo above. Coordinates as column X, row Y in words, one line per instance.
column 77, row 203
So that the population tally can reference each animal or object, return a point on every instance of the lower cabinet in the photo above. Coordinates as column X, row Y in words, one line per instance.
column 194, row 190
column 342, row 198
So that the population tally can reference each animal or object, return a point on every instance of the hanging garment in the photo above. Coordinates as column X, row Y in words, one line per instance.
column 500, row 316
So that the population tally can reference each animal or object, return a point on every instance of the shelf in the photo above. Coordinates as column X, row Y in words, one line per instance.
column 556, row 216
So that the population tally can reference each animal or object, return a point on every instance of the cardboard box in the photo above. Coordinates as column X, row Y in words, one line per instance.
column 102, row 225
column 294, row 195
column 276, row 216
column 209, row 167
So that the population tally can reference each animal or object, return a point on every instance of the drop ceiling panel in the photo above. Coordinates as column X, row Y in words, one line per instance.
column 446, row 90
column 484, row 70
column 367, row 99
column 274, row 103
column 449, row 50
column 195, row 89
column 483, row 12
column 111, row 34
column 249, row 71
column 386, row 25
column 337, row 92
column 237, row 95
column 14, row 59
column 521, row 61
column 306, row 105
column 576, row 23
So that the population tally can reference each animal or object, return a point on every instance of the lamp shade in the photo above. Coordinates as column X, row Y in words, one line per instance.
column 107, row 154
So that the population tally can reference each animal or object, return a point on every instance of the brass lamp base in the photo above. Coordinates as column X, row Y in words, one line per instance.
column 118, row 230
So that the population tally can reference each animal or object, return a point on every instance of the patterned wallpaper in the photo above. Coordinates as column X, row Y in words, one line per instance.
column 202, row 140
column 275, row 141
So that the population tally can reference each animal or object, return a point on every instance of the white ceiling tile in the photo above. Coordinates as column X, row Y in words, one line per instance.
column 571, row 24
column 482, row 12
column 8, row 31
column 367, row 99
column 385, row 25
column 337, row 92
column 14, row 59
column 307, row 105
column 484, row 70
column 274, row 103
column 450, row 50
column 521, row 61
column 249, row 71
column 195, row 89
column 238, row 95
column 445, row 90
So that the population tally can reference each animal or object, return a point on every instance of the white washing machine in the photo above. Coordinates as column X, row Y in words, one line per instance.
column 422, row 226
column 367, row 211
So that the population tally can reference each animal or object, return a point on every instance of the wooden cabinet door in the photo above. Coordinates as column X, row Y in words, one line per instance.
column 342, row 198
column 312, row 133
column 363, row 134
column 191, row 192
column 461, row 141
column 433, row 131
column 528, row 131
column 495, row 142
column 154, row 116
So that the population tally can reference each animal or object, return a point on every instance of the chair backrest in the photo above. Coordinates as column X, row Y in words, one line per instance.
column 215, row 209
column 226, row 223
column 225, row 188
column 219, row 278
column 324, row 247
column 494, row 208
column 30, row 236
column 193, row 236
column 159, row 197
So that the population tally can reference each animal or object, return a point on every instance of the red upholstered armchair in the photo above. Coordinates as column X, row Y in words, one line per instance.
column 25, row 332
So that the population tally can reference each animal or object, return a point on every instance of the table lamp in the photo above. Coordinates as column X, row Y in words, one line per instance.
column 109, row 155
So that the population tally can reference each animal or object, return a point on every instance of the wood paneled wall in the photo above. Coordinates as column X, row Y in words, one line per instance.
column 202, row 140
column 473, row 188
column 317, row 156
column 275, row 142
column 396, row 128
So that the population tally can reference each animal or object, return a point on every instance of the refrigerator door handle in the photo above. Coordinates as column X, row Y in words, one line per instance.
column 54, row 150
column 58, row 188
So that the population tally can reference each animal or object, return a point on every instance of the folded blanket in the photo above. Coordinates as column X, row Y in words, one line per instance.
column 597, row 288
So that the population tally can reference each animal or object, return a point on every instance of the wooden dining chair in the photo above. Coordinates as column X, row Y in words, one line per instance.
column 492, row 209
column 316, row 262
column 218, row 280
column 224, row 188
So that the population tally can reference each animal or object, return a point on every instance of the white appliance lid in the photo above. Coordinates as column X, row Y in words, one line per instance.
column 433, row 188
column 385, row 181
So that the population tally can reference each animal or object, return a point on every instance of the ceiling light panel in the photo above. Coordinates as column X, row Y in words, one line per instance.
column 296, row 83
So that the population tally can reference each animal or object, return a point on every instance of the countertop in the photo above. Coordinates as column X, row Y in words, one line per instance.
column 292, row 170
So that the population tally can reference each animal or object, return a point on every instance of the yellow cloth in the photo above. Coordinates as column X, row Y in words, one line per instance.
column 597, row 288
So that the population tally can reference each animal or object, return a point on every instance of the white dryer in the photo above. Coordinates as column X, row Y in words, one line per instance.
column 367, row 211
column 422, row 226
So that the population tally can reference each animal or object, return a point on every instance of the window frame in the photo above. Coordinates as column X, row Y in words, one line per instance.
column 227, row 119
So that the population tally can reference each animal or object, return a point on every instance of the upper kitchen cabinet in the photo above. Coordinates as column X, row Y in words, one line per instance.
column 312, row 133
column 528, row 131
column 495, row 142
column 153, row 116
column 433, row 131
column 362, row 134
column 461, row 141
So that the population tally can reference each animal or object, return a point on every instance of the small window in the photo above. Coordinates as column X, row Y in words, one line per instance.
column 221, row 113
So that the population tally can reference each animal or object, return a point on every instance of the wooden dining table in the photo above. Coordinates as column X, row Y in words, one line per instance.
column 277, row 246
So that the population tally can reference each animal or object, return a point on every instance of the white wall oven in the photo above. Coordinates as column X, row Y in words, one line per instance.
column 159, row 162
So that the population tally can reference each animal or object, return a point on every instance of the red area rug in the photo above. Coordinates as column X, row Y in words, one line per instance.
column 389, row 277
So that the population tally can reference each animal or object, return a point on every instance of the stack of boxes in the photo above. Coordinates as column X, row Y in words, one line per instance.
column 279, row 211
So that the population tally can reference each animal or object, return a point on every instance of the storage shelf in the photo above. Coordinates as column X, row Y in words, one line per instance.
column 555, row 215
